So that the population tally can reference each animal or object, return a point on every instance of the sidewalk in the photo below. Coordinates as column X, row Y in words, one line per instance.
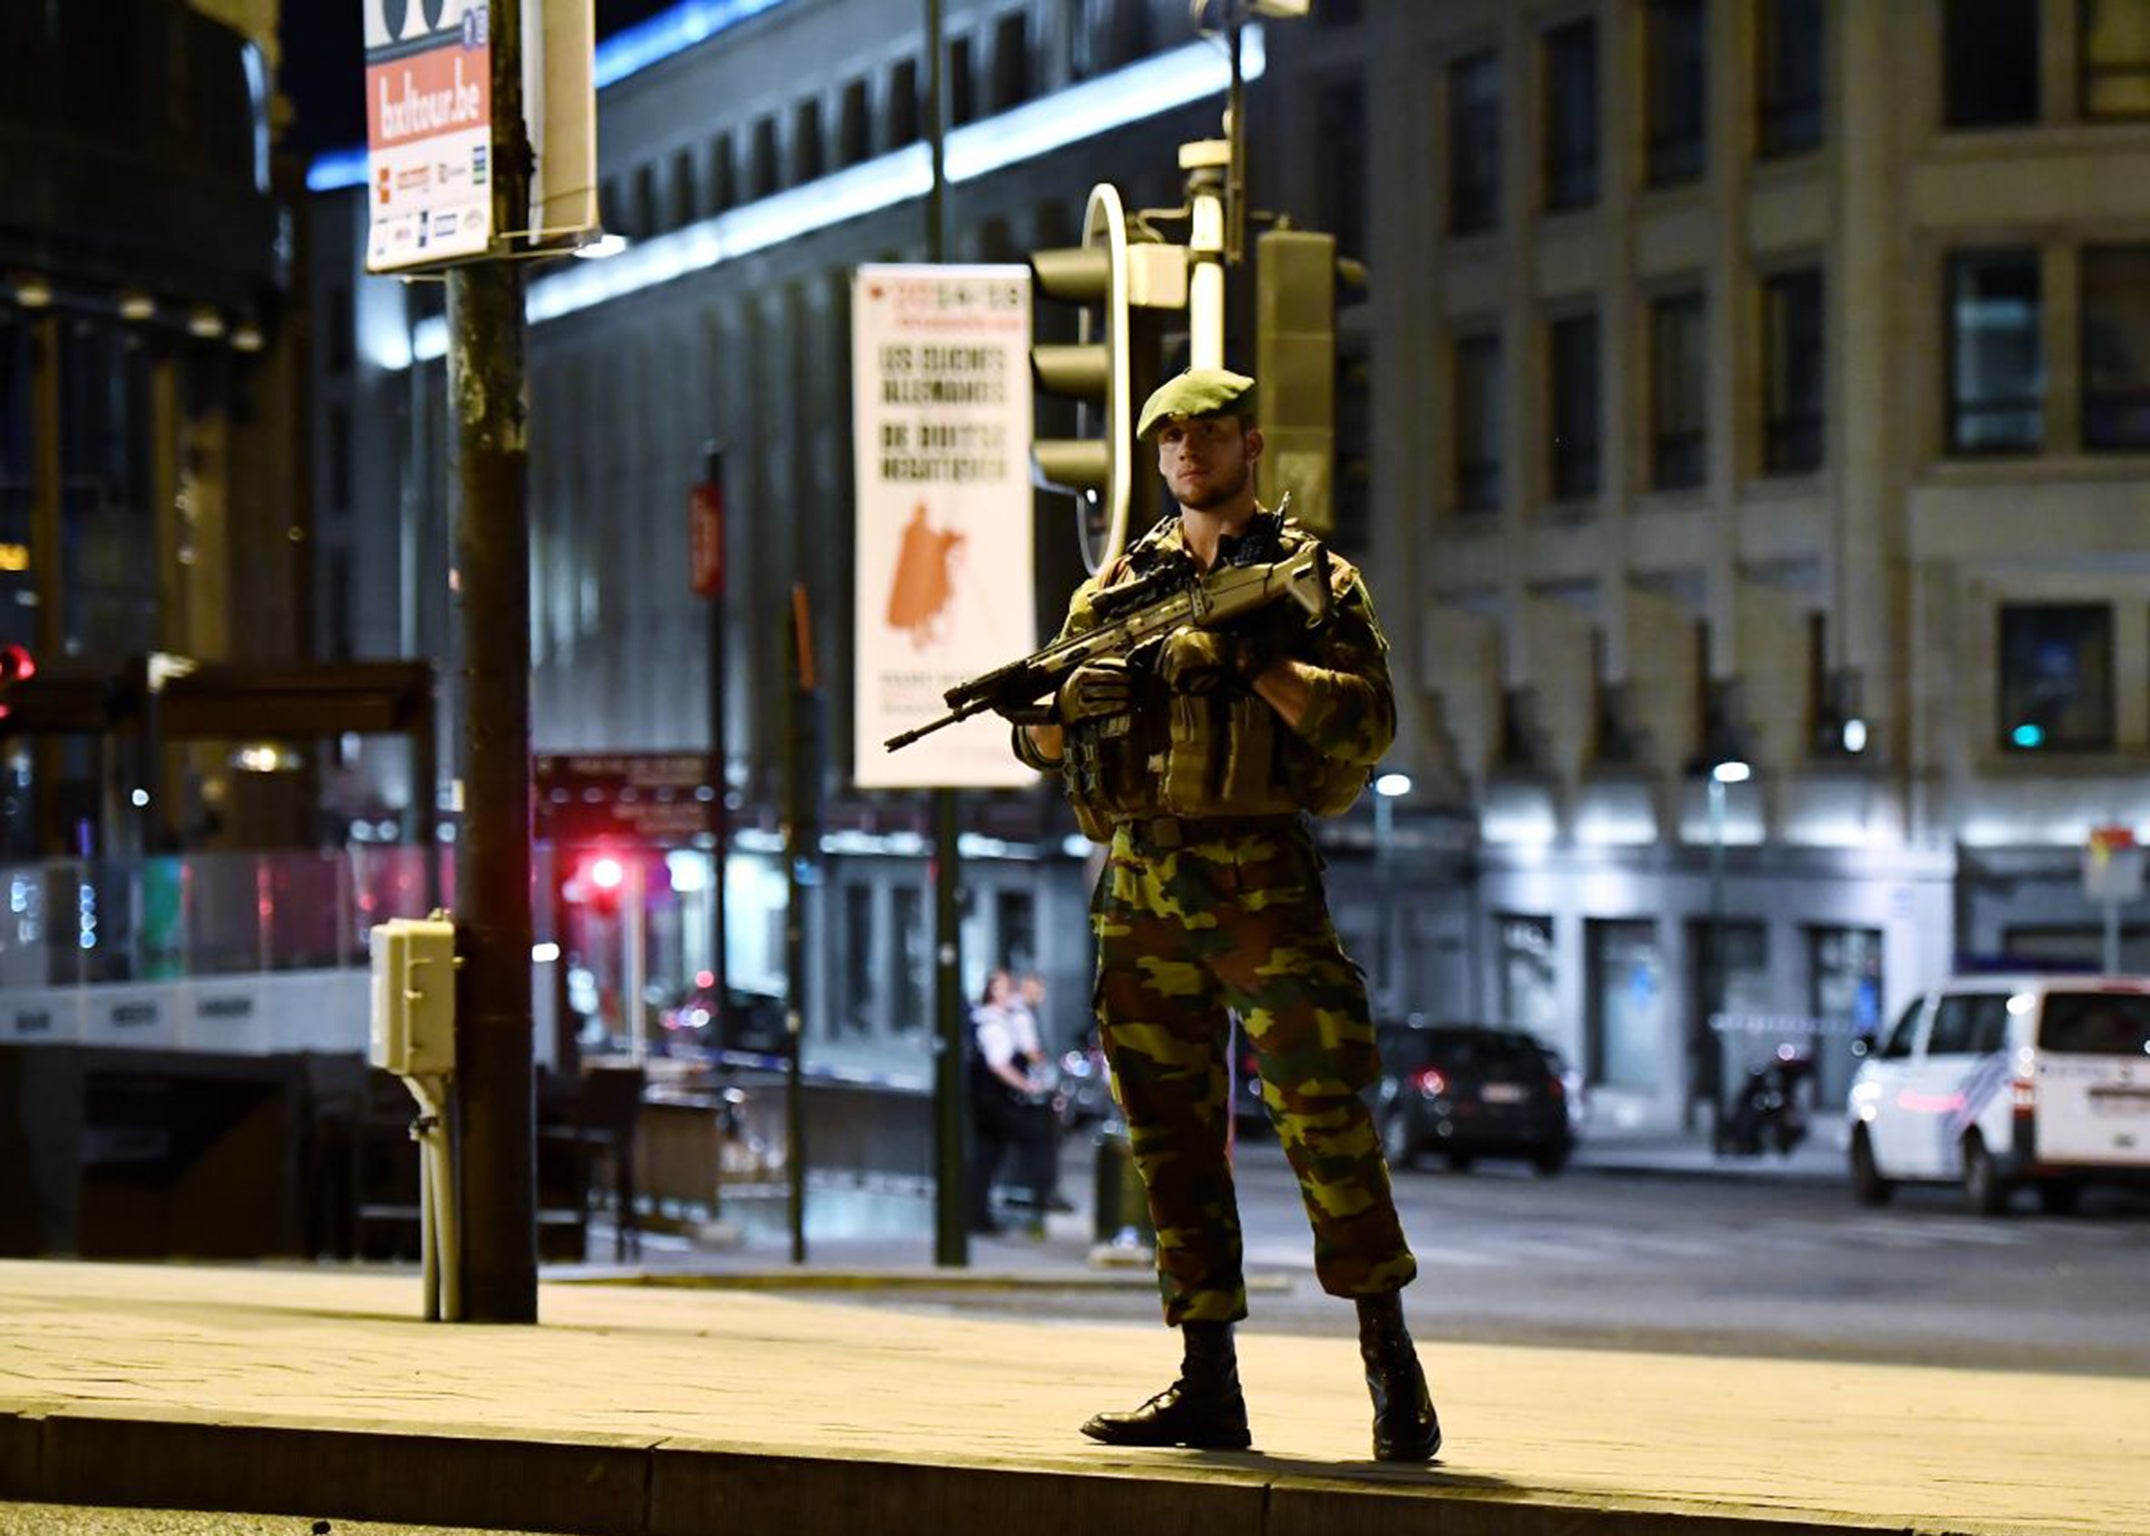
column 641, row 1410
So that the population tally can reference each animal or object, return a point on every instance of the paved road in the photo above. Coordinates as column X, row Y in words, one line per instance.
column 1717, row 1266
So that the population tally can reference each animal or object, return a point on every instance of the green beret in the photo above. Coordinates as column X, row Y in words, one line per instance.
column 1198, row 392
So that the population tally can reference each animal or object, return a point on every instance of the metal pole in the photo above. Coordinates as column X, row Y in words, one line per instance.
column 797, row 765
column 495, row 1078
column 719, row 753
column 1711, row 1063
column 951, row 1223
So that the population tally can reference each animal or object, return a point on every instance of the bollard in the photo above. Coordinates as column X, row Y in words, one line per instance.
column 1121, row 1226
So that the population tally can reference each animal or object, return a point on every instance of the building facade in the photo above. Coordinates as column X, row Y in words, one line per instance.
column 1776, row 377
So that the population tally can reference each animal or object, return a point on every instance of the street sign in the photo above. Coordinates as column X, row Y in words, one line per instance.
column 429, row 132
column 2112, row 865
column 647, row 797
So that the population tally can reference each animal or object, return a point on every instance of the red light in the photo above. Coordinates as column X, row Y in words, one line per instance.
column 705, row 978
column 607, row 873
column 16, row 664
column 1429, row 1082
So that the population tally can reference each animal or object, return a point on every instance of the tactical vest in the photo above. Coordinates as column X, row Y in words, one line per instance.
column 1222, row 753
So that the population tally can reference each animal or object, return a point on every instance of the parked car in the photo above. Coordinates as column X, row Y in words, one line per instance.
column 752, row 1022
column 2003, row 1083
column 1467, row 1091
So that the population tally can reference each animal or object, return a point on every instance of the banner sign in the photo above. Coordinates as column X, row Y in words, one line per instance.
column 635, row 797
column 945, row 576
column 429, row 131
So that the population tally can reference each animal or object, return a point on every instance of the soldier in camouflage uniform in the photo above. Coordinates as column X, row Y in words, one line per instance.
column 1195, row 764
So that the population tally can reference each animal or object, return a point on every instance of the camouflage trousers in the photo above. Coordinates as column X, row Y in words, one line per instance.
column 1235, row 919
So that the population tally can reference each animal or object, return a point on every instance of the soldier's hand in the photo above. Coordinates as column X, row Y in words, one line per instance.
column 1095, row 690
column 1197, row 660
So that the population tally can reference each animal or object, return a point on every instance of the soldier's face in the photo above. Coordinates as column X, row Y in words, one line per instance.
column 1207, row 460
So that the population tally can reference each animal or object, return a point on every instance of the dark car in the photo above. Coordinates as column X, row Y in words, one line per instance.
column 751, row 1022
column 1468, row 1091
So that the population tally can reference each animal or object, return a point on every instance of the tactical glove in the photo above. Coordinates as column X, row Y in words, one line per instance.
column 1095, row 690
column 1198, row 660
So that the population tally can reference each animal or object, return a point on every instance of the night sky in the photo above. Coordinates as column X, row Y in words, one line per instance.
column 323, row 71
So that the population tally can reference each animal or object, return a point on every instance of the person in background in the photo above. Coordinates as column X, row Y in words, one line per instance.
column 1026, row 1017
column 1002, row 1091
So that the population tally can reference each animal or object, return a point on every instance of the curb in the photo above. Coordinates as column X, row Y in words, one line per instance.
column 1754, row 1173
column 603, row 1485
column 1141, row 1281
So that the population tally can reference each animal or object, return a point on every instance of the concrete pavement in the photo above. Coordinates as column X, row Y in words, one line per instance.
column 652, row 1410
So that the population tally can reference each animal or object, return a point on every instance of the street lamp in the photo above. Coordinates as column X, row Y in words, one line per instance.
column 1730, row 770
column 1388, row 789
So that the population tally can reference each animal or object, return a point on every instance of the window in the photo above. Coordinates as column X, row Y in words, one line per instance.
column 1573, row 348
column 1795, row 384
column 767, row 177
column 854, row 125
column 1990, row 56
column 1474, row 143
column 1679, row 383
column 1624, row 1045
column 903, row 104
column 855, row 1009
column 1011, row 60
column 1571, row 115
column 2056, row 689
column 806, row 141
column 1955, row 1025
column 1996, row 357
column 1904, row 1033
column 1478, row 422
column 686, row 202
column 644, row 213
column 2095, row 1024
column 1530, row 995
column 2116, row 346
column 1676, row 106
column 2115, row 59
column 913, row 979
column 1015, row 931
column 961, row 84
column 1844, row 977
column 723, row 174
column 1340, row 194
column 1789, row 92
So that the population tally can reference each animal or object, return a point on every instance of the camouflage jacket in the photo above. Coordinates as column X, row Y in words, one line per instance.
column 1227, row 752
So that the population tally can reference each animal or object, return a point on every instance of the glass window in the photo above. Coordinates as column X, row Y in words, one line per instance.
column 686, row 203
column 1529, row 998
column 1955, row 1026
column 1015, row 931
column 723, row 174
column 2056, row 688
column 1478, row 422
column 1474, row 143
column 1679, row 384
column 1904, row 1034
column 1625, row 1045
column 854, row 125
column 1991, row 62
column 1793, row 327
column 903, row 104
column 2116, row 59
column 1789, row 93
column 2116, row 346
column 1573, row 347
column 1571, row 115
column 855, row 1009
column 768, row 178
column 961, row 83
column 645, row 212
column 806, row 140
column 1676, row 104
column 1011, row 60
column 1996, row 354
column 912, row 952
column 1989, row 1024
column 2095, row 1024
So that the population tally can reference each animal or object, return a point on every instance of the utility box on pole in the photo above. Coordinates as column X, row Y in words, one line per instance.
column 1295, row 364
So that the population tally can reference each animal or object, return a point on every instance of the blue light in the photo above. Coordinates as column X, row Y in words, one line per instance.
column 337, row 171
column 675, row 31
column 2028, row 735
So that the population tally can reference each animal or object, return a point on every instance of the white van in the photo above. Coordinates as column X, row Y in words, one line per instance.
column 2004, row 1082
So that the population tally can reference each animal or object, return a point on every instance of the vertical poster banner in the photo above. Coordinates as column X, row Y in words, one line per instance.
column 945, row 576
column 429, row 131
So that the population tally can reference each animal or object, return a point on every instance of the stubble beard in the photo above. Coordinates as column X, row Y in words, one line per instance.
column 1219, row 494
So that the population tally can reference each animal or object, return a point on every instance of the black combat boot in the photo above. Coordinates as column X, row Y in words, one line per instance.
column 1202, row 1409
column 1405, row 1426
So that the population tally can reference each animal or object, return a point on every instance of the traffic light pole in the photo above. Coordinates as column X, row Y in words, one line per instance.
column 951, row 1218
column 494, row 1092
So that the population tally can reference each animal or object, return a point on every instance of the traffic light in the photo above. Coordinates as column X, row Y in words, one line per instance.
column 602, row 876
column 1297, row 277
column 1122, row 287
column 17, row 665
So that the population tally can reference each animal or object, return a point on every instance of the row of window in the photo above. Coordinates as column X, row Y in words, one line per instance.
column 1996, row 338
column 1788, row 110
column 1991, row 78
column 999, row 68
column 1794, row 391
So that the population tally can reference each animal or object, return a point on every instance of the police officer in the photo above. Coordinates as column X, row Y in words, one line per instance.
column 1195, row 762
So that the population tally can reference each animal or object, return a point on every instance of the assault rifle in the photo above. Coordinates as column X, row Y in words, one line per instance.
column 1130, row 616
